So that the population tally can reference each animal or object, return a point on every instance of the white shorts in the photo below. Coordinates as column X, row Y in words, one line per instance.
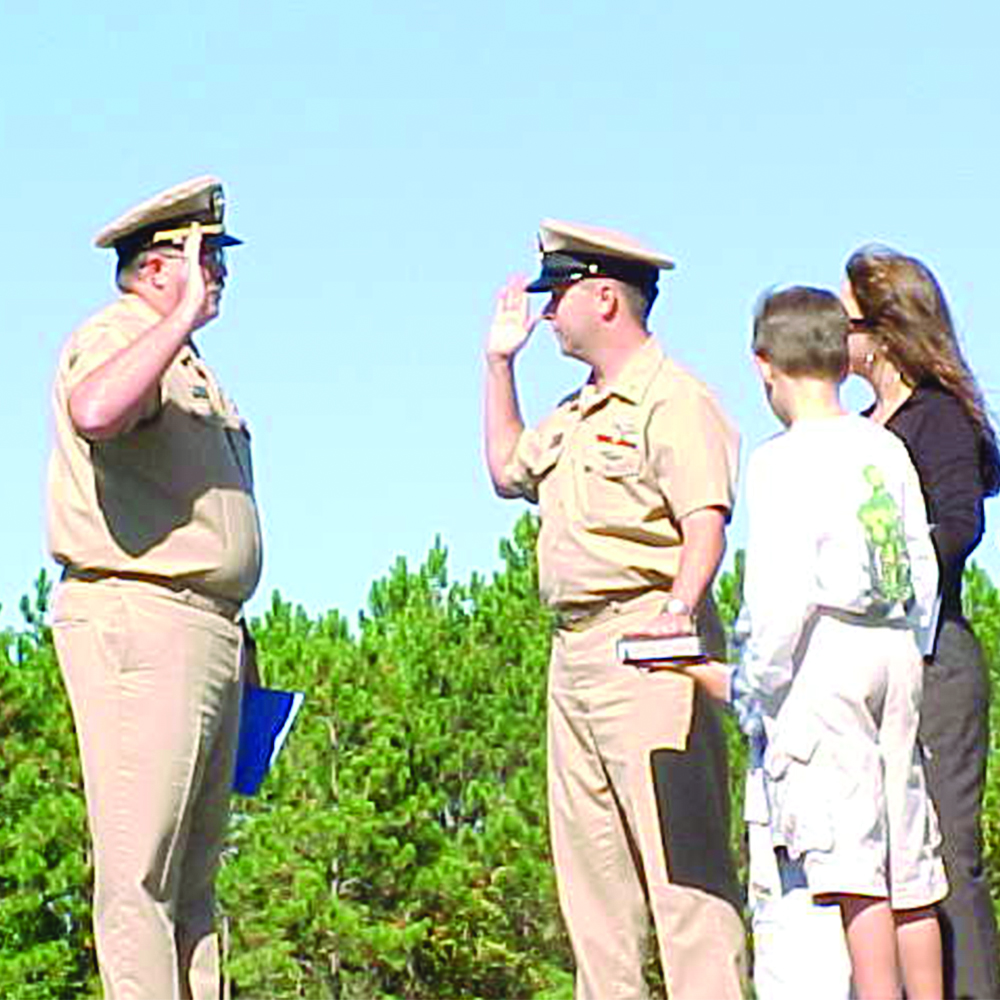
column 844, row 774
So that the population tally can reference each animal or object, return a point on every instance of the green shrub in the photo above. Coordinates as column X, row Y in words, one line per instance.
column 46, row 946
column 399, row 849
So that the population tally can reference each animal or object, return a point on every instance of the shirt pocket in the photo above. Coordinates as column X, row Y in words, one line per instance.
column 190, row 389
column 797, row 794
column 610, row 485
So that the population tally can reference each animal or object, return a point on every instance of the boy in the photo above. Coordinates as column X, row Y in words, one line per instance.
column 840, row 581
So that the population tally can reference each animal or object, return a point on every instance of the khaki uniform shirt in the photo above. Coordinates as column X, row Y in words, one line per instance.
column 615, row 472
column 170, row 498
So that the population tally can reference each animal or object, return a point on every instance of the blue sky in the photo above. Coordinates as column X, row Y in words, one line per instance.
column 388, row 164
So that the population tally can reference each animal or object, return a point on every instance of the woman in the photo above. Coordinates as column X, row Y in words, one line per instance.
column 903, row 343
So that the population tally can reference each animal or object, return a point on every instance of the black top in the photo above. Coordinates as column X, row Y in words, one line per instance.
column 946, row 449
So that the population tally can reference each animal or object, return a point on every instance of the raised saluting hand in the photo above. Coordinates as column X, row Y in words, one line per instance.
column 512, row 325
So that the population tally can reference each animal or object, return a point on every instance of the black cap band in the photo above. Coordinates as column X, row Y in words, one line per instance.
column 560, row 268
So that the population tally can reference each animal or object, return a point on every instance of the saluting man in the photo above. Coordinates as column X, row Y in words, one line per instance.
column 635, row 477
column 151, row 513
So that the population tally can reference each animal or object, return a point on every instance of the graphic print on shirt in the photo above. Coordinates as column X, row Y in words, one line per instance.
column 889, row 560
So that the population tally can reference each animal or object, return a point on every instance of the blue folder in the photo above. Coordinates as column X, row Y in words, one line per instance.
column 266, row 717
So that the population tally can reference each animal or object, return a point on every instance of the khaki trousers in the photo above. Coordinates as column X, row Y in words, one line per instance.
column 639, row 817
column 154, row 680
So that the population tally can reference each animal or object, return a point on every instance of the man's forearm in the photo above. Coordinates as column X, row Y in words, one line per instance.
column 704, row 546
column 503, row 421
column 113, row 396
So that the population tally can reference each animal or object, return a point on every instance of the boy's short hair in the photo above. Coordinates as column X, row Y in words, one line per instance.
column 802, row 332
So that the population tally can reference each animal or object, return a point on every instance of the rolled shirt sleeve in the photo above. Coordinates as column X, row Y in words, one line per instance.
column 100, row 339
column 521, row 474
column 695, row 452
column 537, row 451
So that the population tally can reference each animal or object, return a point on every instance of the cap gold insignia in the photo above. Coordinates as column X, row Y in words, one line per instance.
column 180, row 234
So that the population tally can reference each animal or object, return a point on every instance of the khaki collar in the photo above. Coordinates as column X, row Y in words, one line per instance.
column 633, row 380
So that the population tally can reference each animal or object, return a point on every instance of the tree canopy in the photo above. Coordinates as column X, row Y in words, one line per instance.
column 399, row 849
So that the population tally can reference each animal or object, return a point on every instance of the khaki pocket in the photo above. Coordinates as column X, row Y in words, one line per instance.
column 799, row 798
column 611, row 487
column 663, row 710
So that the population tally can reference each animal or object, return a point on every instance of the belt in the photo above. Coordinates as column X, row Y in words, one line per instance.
column 580, row 617
column 206, row 602
column 865, row 619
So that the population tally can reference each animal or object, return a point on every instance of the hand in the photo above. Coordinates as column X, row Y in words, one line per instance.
column 195, row 291
column 511, row 325
column 666, row 623
column 251, row 666
column 713, row 676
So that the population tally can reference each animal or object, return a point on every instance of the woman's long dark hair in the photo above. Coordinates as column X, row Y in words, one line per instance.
column 906, row 314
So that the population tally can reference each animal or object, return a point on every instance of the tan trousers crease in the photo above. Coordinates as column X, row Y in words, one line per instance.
column 610, row 833
column 154, row 680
